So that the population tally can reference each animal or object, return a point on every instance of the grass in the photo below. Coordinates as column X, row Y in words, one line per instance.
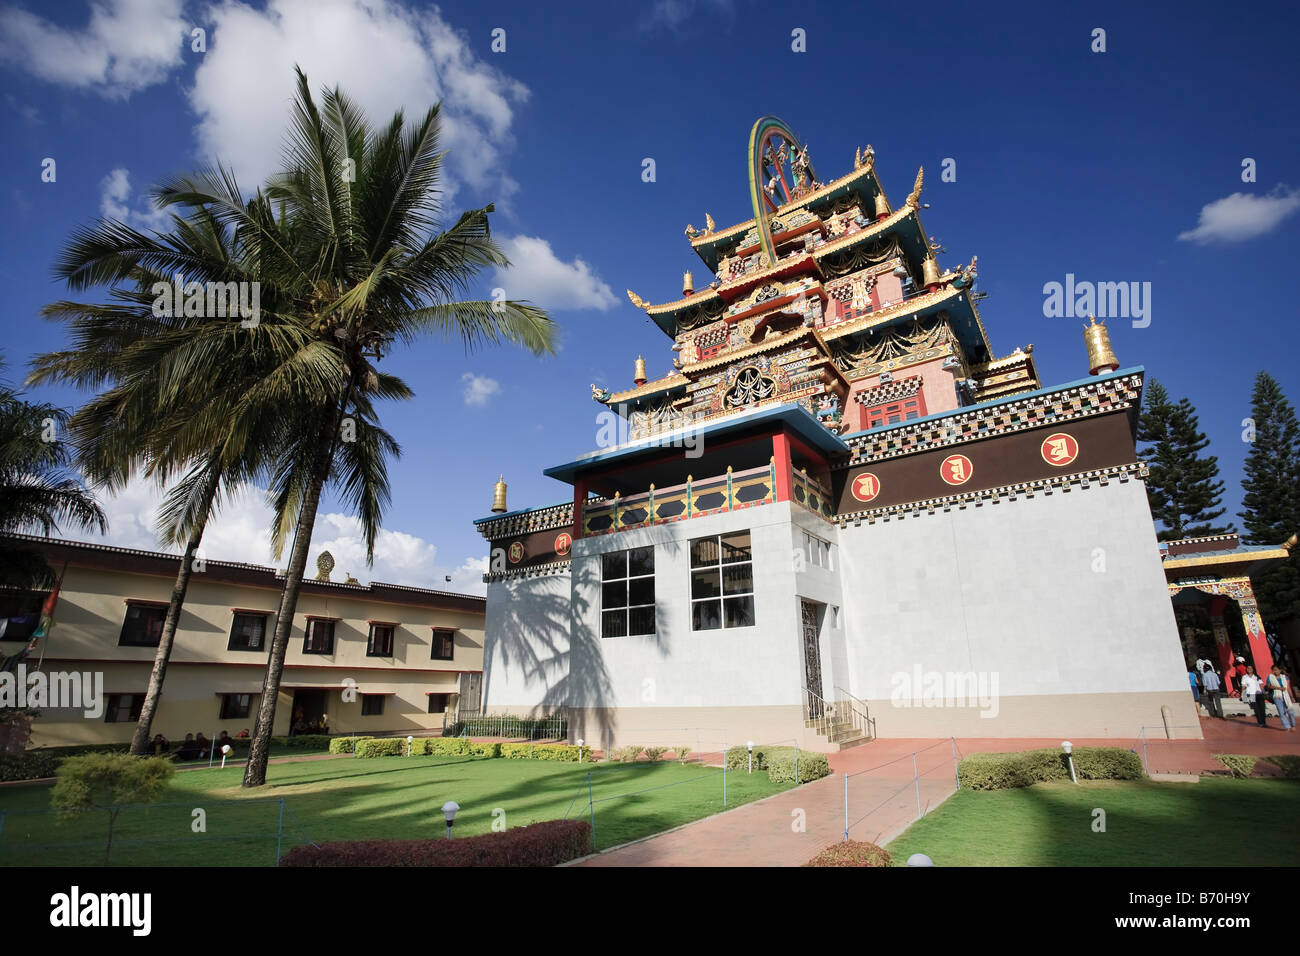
column 1147, row 824
column 360, row 799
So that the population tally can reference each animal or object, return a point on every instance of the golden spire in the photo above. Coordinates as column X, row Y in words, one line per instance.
column 1101, row 358
column 709, row 225
column 637, row 301
column 688, row 283
column 914, row 197
column 499, row 496
column 638, row 372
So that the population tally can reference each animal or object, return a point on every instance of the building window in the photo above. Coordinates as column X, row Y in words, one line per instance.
column 438, row 703
column 143, row 625
column 247, row 632
column 627, row 593
column 381, row 640
column 722, row 582
column 818, row 551
column 891, row 413
column 444, row 646
column 235, row 706
column 372, row 705
column 123, row 707
column 320, row 637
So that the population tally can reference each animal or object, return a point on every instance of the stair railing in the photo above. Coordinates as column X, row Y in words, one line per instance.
column 856, row 712
column 816, row 709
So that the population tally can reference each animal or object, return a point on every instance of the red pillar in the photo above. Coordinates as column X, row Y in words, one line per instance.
column 579, row 499
column 1221, row 641
column 1260, row 655
column 783, row 466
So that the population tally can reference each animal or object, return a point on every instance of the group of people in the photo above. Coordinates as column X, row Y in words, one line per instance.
column 194, row 747
column 1209, row 687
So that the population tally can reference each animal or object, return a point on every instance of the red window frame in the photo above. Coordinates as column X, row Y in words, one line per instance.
column 892, row 413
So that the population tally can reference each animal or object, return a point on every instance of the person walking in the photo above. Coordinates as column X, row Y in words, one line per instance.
column 1280, row 685
column 1211, row 684
column 1194, row 679
column 1252, row 694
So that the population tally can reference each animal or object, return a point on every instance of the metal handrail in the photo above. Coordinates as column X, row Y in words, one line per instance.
column 859, row 709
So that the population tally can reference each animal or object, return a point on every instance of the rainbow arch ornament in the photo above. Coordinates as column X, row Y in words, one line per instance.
column 780, row 172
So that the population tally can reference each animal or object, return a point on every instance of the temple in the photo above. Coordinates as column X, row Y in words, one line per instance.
column 841, row 513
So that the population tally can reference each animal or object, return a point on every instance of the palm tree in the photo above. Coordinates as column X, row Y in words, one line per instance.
column 38, row 492
column 360, row 264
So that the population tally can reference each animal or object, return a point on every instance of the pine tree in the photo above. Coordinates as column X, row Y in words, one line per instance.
column 1271, row 503
column 1182, row 486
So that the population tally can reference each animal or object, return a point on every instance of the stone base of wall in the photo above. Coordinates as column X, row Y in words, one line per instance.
column 1121, row 717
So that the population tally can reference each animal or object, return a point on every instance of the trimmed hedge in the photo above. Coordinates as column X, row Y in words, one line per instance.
column 381, row 747
column 561, row 752
column 779, row 762
column 852, row 853
column 541, row 844
column 345, row 745
column 1239, row 765
column 30, row 765
column 1009, row 771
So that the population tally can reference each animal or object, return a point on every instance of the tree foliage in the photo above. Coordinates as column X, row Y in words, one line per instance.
column 1182, row 487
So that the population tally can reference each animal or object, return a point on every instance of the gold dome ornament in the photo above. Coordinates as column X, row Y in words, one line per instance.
column 324, row 565
column 1101, row 358
column 499, row 496
column 688, row 283
column 929, row 272
column 638, row 371
column 882, row 206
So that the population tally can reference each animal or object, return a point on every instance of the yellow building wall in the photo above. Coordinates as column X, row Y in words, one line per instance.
column 88, row 623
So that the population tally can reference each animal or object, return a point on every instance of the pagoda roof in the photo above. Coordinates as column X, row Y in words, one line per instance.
column 709, row 245
column 788, row 415
column 1218, row 555
column 658, row 386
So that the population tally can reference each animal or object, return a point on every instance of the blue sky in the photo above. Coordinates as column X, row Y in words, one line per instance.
column 1067, row 161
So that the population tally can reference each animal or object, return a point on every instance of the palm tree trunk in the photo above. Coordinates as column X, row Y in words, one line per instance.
column 260, row 746
column 140, row 742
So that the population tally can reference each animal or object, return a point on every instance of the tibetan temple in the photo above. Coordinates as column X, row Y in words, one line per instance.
column 842, row 514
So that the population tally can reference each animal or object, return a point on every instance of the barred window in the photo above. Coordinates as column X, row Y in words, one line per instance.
column 380, row 643
column 143, row 625
column 627, row 593
column 320, row 637
column 247, row 632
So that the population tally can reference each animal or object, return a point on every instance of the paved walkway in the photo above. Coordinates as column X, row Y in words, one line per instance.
column 884, row 790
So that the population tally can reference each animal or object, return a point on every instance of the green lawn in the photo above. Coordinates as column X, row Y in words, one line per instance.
column 356, row 799
column 1147, row 824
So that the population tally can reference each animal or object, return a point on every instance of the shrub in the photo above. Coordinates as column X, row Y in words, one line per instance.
column 542, row 844
column 1289, row 764
column 852, row 853
column 381, row 747
column 628, row 754
column 1005, row 771
column 300, row 742
column 682, row 753
column 1239, row 765
column 561, row 752
column 781, row 765
column 345, row 745
column 108, row 782
column 31, row 765
column 484, row 749
column 654, row 753
column 447, row 747
column 738, row 757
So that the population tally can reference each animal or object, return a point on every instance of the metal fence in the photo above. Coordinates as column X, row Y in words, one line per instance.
column 882, row 799
column 504, row 725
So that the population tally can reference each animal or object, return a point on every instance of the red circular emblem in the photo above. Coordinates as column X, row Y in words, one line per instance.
column 865, row 487
column 956, row 469
column 562, row 543
column 1059, row 449
column 516, row 552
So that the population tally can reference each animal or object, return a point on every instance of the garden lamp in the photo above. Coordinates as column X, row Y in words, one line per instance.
column 1069, row 758
column 449, row 811
column 919, row 859
column 750, row 744
column 580, row 743
column 410, row 739
column 225, row 752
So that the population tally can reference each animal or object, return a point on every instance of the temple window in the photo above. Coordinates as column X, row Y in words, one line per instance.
column 627, row 593
column 722, row 582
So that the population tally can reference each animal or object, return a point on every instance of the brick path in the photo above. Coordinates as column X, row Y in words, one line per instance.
column 883, row 795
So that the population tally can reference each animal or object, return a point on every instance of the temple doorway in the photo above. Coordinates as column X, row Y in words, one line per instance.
column 308, row 716
column 814, row 695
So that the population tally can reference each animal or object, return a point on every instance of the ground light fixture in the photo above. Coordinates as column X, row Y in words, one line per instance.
column 919, row 859
column 750, row 745
column 1068, row 748
column 449, row 811
column 225, row 752
column 410, row 739
column 580, row 743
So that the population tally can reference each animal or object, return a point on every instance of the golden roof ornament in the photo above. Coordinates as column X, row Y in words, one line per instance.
column 324, row 565
column 867, row 158
column 929, row 272
column 882, row 205
column 637, row 301
column 638, row 371
column 350, row 579
column 914, row 197
column 1101, row 358
column 499, row 496
column 709, row 224
column 688, row 283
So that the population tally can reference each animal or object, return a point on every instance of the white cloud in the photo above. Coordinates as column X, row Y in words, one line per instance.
column 383, row 54
column 241, row 532
column 479, row 388
column 1243, row 216
column 114, row 203
column 536, row 274
column 128, row 45
column 673, row 13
